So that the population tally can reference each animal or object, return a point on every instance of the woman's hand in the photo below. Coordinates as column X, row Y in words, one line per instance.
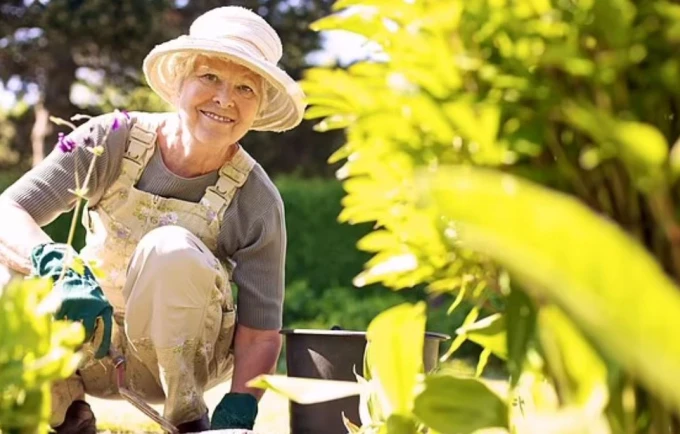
column 80, row 296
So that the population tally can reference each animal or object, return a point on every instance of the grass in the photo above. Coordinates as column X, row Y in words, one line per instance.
column 119, row 417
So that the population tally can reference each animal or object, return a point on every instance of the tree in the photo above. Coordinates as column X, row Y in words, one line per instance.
column 48, row 41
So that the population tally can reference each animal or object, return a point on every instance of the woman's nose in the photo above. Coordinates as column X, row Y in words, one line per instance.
column 223, row 97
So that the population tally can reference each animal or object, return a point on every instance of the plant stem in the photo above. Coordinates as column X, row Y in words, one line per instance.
column 74, row 220
column 611, row 172
column 660, row 203
column 661, row 418
column 89, row 171
column 565, row 166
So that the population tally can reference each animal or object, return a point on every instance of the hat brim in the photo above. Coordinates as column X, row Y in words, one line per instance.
column 286, row 100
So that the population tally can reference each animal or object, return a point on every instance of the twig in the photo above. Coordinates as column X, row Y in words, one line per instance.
column 661, row 205
column 565, row 166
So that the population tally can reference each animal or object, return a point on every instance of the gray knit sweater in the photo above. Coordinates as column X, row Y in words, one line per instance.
column 253, row 233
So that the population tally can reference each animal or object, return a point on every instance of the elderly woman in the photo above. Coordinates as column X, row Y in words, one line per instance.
column 176, row 211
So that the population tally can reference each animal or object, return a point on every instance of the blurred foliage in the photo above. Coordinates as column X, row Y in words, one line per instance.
column 520, row 152
column 35, row 350
column 8, row 156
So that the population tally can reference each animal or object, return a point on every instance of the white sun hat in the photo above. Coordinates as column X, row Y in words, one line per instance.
column 244, row 37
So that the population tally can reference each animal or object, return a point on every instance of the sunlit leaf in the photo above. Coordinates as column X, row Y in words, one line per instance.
column 349, row 426
column 453, row 405
column 588, row 266
column 400, row 424
column 396, row 339
column 521, row 320
column 483, row 361
column 489, row 332
column 95, row 267
column 461, row 338
column 77, row 264
column 612, row 19
column 640, row 146
column 579, row 370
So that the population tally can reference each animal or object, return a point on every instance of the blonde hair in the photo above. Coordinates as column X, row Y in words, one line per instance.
column 184, row 64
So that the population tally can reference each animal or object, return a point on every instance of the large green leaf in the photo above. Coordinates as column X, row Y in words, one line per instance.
column 396, row 338
column 608, row 284
column 452, row 405
column 579, row 371
column 521, row 319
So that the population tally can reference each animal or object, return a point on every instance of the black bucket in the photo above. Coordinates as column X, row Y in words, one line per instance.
column 334, row 355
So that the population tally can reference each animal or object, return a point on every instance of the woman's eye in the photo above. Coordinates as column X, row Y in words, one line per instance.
column 212, row 78
column 246, row 89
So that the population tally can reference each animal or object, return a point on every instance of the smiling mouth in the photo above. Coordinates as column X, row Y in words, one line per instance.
column 217, row 118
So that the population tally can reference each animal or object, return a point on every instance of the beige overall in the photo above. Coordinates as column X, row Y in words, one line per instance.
column 174, row 312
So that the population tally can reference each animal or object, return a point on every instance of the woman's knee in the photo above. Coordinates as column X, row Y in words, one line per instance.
column 170, row 242
column 169, row 250
column 172, row 259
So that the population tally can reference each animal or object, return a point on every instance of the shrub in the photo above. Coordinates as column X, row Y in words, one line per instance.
column 519, row 151
column 34, row 352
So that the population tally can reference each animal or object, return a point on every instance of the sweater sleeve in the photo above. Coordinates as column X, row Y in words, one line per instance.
column 44, row 190
column 260, row 271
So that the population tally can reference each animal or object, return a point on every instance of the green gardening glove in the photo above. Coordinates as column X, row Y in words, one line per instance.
column 235, row 411
column 81, row 297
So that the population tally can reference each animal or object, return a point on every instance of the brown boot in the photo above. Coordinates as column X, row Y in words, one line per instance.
column 79, row 420
column 200, row 425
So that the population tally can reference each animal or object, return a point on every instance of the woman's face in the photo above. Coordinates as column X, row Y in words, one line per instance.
column 219, row 100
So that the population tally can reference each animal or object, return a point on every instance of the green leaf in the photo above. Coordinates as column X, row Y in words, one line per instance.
column 368, row 25
column 77, row 264
column 560, row 250
column 461, row 338
column 396, row 339
column 334, row 122
column 674, row 161
column 349, row 426
column 612, row 19
column 483, row 361
column 641, row 147
column 642, row 143
column 307, row 390
column 399, row 424
column 488, row 332
column 574, row 363
column 453, row 405
column 521, row 326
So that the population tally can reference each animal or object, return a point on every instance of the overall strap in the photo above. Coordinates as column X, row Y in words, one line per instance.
column 140, row 148
column 232, row 176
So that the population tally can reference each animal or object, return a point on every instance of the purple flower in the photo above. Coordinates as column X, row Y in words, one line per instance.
column 66, row 144
column 119, row 114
